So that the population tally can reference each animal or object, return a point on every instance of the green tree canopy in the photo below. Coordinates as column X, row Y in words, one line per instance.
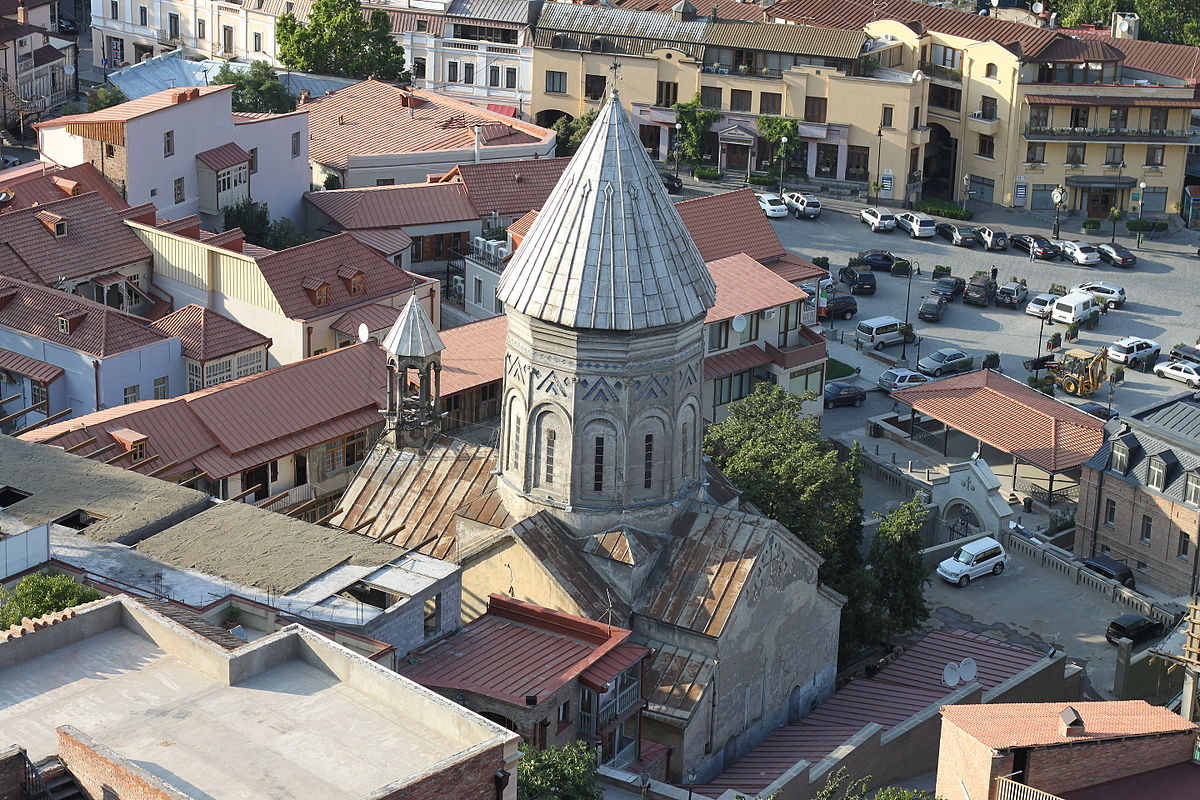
column 339, row 40
column 103, row 97
column 39, row 594
column 695, row 120
column 258, row 228
column 257, row 90
column 773, row 129
column 1171, row 21
column 571, row 130
column 898, row 578
column 558, row 773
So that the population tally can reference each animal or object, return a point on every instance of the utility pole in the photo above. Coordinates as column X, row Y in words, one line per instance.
column 1191, row 659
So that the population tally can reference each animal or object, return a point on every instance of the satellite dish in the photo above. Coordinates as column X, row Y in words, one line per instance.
column 1036, row 8
column 950, row 675
column 1123, row 26
column 69, row 69
column 363, row 333
column 967, row 670
column 739, row 323
column 983, row 12
column 995, row 3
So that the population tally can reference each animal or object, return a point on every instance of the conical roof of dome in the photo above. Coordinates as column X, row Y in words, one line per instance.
column 412, row 334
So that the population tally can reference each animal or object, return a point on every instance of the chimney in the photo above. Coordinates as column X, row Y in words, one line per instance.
column 302, row 96
column 713, row 16
column 194, row 93
column 683, row 11
column 1070, row 723
column 1125, row 26
column 478, row 129
column 341, row 119
column 22, row 14
column 6, row 294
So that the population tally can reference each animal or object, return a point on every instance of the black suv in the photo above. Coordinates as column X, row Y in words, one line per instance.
column 839, row 306
column 860, row 282
column 1185, row 352
column 980, row 291
column 1135, row 627
column 948, row 287
column 1112, row 569
column 671, row 183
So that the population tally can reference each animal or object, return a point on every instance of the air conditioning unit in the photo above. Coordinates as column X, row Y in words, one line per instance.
column 501, row 252
column 492, row 246
column 768, row 313
column 478, row 245
column 457, row 285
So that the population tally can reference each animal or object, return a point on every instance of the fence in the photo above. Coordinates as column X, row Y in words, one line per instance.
column 1046, row 497
column 1007, row 789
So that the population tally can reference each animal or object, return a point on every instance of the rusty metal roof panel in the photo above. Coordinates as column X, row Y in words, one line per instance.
column 676, row 679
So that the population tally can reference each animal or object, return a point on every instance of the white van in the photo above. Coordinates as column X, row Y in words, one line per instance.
column 1073, row 307
column 878, row 332
column 973, row 560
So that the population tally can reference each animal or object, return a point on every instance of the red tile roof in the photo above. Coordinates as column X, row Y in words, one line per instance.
column 234, row 426
column 473, row 354
column 907, row 686
column 101, row 331
column 794, row 269
column 1001, row 726
column 287, row 270
column 1011, row 417
column 1173, row 60
column 739, row 360
column 516, row 650
column 374, row 316
column 508, row 187
column 373, row 118
column 97, row 241
column 132, row 109
column 711, row 219
column 206, row 335
column 223, row 157
column 521, row 227
column 745, row 286
column 57, row 184
column 395, row 206
column 28, row 367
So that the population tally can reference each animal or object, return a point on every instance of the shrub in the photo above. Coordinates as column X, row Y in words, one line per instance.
column 1146, row 225
column 761, row 180
column 940, row 271
column 943, row 208
column 855, row 261
column 991, row 360
column 1058, row 289
column 822, row 262
column 707, row 173
column 1061, row 521
column 1091, row 224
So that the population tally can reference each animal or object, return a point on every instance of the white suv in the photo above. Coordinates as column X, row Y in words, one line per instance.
column 918, row 225
column 803, row 205
column 1127, row 348
column 880, row 219
column 1108, row 293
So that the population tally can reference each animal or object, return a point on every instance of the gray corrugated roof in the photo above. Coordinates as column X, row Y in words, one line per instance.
column 172, row 71
column 609, row 250
column 413, row 334
column 777, row 38
column 620, row 22
column 516, row 11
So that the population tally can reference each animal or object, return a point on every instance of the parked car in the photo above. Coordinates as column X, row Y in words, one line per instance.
column 973, row 560
column 1098, row 410
column 839, row 306
column 1111, row 568
column 67, row 26
column 1127, row 348
column 671, row 183
column 1109, row 293
column 918, row 225
column 948, row 359
column 980, row 291
column 771, row 205
column 880, row 259
column 1133, row 626
column 1184, row 352
column 1182, row 371
column 1041, row 246
column 1074, row 308
column 1041, row 305
column 838, row 393
column 949, row 287
column 879, row 219
column 858, row 281
column 1079, row 252
column 992, row 238
column 894, row 379
column 1116, row 255
column 1012, row 295
column 956, row 234
column 932, row 308
column 9, row 161
column 879, row 332
column 802, row 205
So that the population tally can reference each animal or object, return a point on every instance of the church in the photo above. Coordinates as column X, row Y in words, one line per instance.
column 594, row 497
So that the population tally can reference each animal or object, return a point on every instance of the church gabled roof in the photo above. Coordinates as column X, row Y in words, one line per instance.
column 608, row 251
column 413, row 334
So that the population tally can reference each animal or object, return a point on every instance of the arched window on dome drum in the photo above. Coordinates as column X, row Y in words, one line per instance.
column 648, row 466
column 548, row 466
column 598, row 465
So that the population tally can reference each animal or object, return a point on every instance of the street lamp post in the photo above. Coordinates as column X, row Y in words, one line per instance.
column 1058, row 195
column 878, row 164
column 783, row 140
column 912, row 267
column 1141, row 209
column 691, row 779
column 678, row 148
column 966, row 189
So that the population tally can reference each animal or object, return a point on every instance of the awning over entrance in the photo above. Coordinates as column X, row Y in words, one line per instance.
column 1101, row 182
column 736, row 134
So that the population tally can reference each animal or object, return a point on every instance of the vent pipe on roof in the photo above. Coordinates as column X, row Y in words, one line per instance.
column 478, row 141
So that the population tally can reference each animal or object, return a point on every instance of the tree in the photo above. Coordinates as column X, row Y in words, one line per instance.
column 1171, row 21
column 839, row 786
column 558, row 773
column 898, row 578
column 695, row 121
column 571, row 130
column 258, row 228
column 257, row 90
column 773, row 129
column 339, row 40
column 104, row 97
column 39, row 594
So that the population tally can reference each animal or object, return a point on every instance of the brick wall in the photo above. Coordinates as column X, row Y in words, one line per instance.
column 102, row 774
column 473, row 779
column 1059, row 770
column 964, row 761
column 113, row 166
column 12, row 773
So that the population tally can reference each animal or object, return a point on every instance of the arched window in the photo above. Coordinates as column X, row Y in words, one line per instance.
column 991, row 71
column 685, row 450
column 648, row 461
column 551, row 441
column 514, row 454
column 598, row 465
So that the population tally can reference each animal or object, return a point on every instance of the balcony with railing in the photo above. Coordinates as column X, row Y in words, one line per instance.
column 166, row 36
column 1041, row 133
column 941, row 72
column 806, row 347
column 1007, row 789
column 983, row 122
column 742, row 71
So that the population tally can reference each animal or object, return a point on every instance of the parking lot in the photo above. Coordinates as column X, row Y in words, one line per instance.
column 1161, row 290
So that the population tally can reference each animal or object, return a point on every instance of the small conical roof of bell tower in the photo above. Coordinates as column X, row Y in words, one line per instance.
column 608, row 250
column 412, row 334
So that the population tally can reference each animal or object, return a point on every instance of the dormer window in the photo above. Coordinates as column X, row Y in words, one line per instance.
column 53, row 222
column 321, row 296
column 138, row 450
column 318, row 291
column 1118, row 461
column 60, row 229
column 68, row 321
column 1191, row 492
column 356, row 282
column 1157, row 477
column 64, row 326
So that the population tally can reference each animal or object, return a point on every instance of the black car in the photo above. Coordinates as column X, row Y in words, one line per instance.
column 859, row 282
column 1137, row 627
column 980, row 291
column 949, row 288
column 671, row 183
column 1111, row 569
column 1111, row 253
column 1100, row 411
column 959, row 235
column 839, row 306
column 1041, row 246
column 67, row 26
column 879, row 260
column 932, row 308
column 843, row 394
column 1185, row 352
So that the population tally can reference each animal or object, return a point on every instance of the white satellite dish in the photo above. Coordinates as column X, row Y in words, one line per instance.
column 983, row 12
column 363, row 333
column 950, row 675
column 995, row 3
column 1123, row 26
column 967, row 670
column 69, row 69
column 1036, row 8
column 739, row 323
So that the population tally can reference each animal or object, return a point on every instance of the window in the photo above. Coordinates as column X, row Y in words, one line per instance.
column 494, row 76
column 1076, row 153
column 556, row 82
column 433, row 615
column 945, row 97
column 648, row 461
column 827, row 160
column 593, row 87
column 551, row 444
column 173, row 26
column 468, row 72
column 987, row 108
column 358, row 285
column 131, row 394
column 1039, row 116
column 598, row 465
column 138, row 451
column 195, row 376
column 1079, row 117
column 114, row 9
column 942, row 56
column 1184, row 543
column 1035, row 153
column 914, row 162
column 514, row 460
column 1118, row 461
column 385, row 181
column 740, row 99
column 321, row 296
column 1155, row 154
column 510, row 77
column 732, row 387
column 564, row 713
column 991, row 71
column 295, row 144
column 667, row 94
column 710, row 96
column 422, row 25
column 168, row 144
column 1142, row 565
column 257, row 42
column 1158, row 118
column 751, row 332
column 718, row 336
column 110, row 150
column 179, row 196
column 478, row 33
column 1114, row 154
column 685, row 449
column 1155, row 198
column 231, row 178
column 987, row 146
column 250, row 363
column 345, row 452
column 1110, row 512
column 916, row 118
column 814, row 109
column 38, row 394
column 452, row 71
column 886, row 119
column 1191, row 492
column 200, row 31
column 142, row 16
column 418, row 69
column 1147, row 528
column 1118, row 117
column 417, row 251
column 162, row 388
column 770, row 103
column 1158, row 474
column 60, row 229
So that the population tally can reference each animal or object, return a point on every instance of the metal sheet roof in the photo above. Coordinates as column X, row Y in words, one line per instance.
column 226, row 156
column 807, row 40
column 514, row 11
column 28, row 367
column 743, row 358
column 206, row 335
column 412, row 335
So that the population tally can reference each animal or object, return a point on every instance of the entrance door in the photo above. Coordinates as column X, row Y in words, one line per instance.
column 1099, row 202
column 257, row 477
column 737, row 157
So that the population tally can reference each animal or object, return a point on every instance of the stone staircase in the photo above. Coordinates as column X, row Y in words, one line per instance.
column 57, row 782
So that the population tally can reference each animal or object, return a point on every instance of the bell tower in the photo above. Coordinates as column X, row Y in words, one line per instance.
column 605, row 300
column 414, row 368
